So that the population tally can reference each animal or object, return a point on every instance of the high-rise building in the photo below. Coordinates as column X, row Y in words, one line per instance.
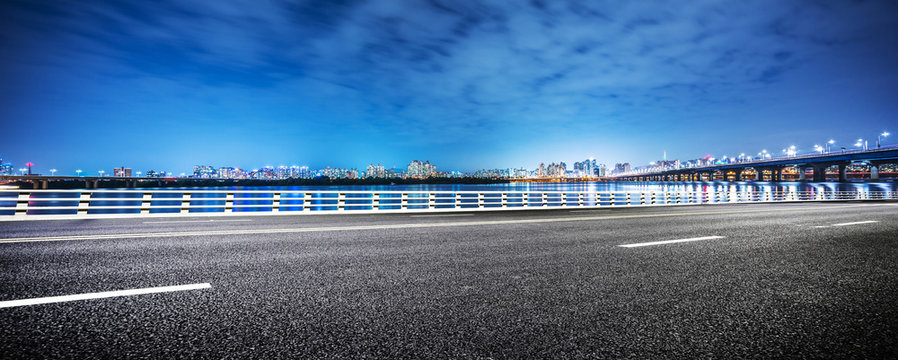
column 620, row 168
column 6, row 168
column 376, row 171
column 417, row 169
column 204, row 171
column 121, row 172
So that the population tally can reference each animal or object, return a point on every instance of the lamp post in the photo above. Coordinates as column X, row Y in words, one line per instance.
column 879, row 138
column 78, row 172
column 101, row 173
column 52, row 172
column 829, row 145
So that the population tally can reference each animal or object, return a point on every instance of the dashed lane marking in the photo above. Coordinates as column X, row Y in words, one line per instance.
column 100, row 295
column 671, row 241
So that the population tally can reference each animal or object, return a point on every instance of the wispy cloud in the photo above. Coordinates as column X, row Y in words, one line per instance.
column 444, row 72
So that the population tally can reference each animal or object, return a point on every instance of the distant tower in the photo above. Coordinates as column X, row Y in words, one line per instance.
column 29, row 164
column 665, row 155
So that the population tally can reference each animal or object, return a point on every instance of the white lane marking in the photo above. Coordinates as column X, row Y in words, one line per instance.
column 671, row 241
column 440, row 215
column 404, row 226
column 856, row 223
column 589, row 211
column 821, row 226
column 191, row 221
column 100, row 295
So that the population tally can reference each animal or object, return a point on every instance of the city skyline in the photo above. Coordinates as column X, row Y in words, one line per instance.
column 467, row 85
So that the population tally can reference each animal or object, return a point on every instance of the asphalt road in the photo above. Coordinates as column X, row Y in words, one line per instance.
column 803, row 280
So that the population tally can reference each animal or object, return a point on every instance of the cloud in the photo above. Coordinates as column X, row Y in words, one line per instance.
column 438, row 71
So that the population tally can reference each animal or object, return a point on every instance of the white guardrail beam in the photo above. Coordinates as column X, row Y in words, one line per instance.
column 19, row 203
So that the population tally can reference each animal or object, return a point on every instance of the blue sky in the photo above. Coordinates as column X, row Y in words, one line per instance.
column 168, row 84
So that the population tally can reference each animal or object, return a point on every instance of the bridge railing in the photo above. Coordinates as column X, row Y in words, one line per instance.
column 47, row 203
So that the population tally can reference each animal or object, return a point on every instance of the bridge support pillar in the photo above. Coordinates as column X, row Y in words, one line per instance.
column 737, row 175
column 802, row 173
column 819, row 173
column 842, row 174
column 874, row 172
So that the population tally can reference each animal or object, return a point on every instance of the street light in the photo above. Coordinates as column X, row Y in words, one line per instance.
column 52, row 172
column 101, row 173
column 829, row 145
column 78, row 172
column 23, row 170
column 818, row 148
column 879, row 138
column 790, row 151
column 860, row 143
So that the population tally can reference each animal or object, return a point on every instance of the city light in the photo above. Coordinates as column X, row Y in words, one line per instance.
column 879, row 138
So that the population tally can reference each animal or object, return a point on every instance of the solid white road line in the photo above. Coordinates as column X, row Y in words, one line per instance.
column 191, row 221
column 407, row 226
column 440, row 215
column 671, row 241
column 589, row 211
column 100, row 295
column 856, row 223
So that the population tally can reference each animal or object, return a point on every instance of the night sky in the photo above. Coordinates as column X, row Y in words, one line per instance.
column 165, row 85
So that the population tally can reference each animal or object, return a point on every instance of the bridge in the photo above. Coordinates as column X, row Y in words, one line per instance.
column 772, row 169
column 90, row 182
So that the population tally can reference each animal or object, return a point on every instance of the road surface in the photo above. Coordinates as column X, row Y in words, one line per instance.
column 714, row 281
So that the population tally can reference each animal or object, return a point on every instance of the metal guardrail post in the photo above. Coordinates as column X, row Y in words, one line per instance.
column 628, row 198
column 83, row 203
column 229, row 202
column 481, row 200
column 341, row 202
column 525, row 199
column 375, row 201
column 611, row 199
column 457, row 201
column 146, row 202
column 563, row 199
column 432, row 201
column 307, row 201
column 185, row 203
column 504, row 200
column 579, row 199
column 545, row 200
column 403, row 201
column 22, row 203
column 276, row 202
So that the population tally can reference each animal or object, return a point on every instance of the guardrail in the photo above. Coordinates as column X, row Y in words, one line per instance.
column 48, row 203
